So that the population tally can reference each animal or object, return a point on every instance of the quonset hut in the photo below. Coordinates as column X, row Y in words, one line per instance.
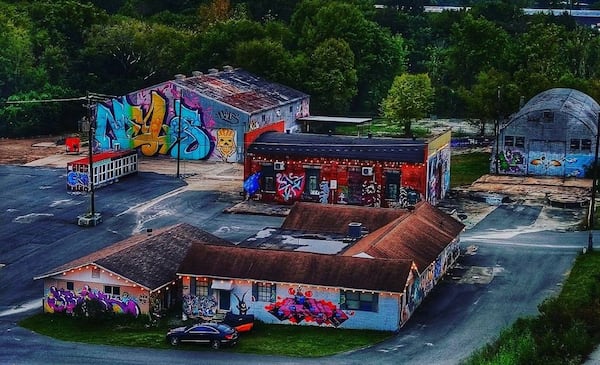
column 552, row 135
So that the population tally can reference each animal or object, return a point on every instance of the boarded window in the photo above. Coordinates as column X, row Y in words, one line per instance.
column 586, row 144
column 575, row 144
column 509, row 141
column 520, row 142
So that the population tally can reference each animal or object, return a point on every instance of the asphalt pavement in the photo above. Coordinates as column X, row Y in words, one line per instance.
column 515, row 259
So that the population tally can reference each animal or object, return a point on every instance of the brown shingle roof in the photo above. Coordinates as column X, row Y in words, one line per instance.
column 335, row 218
column 420, row 235
column 150, row 261
column 296, row 267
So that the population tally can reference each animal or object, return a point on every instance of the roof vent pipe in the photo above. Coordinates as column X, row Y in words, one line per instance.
column 354, row 229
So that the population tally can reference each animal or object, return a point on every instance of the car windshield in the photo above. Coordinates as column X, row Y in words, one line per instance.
column 223, row 328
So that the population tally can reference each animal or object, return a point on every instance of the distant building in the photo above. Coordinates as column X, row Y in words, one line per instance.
column 554, row 134
column 216, row 111
column 333, row 169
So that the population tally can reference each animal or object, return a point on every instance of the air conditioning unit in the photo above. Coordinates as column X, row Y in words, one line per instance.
column 367, row 171
column 279, row 166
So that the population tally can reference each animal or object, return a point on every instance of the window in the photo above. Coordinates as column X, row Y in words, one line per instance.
column 520, row 142
column 392, row 184
column 311, row 186
column 586, row 144
column 112, row 290
column 199, row 287
column 575, row 144
column 509, row 141
column 70, row 285
column 359, row 301
column 96, row 273
column 264, row 292
column 268, row 177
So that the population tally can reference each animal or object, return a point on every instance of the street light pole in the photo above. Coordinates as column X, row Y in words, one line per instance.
column 592, row 212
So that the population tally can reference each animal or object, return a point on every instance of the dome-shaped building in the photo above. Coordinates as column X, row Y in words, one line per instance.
column 552, row 135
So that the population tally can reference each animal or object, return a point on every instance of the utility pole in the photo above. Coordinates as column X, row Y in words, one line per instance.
column 591, row 214
column 179, row 133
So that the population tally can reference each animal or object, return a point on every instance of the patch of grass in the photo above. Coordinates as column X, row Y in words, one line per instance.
column 566, row 330
column 468, row 167
column 287, row 340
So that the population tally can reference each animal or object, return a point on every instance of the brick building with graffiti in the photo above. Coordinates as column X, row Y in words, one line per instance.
column 332, row 169
column 209, row 114
column 554, row 134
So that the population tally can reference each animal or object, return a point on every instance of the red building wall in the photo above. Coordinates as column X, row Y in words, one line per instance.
column 337, row 181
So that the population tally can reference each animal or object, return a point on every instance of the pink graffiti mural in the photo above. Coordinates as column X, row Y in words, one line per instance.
column 65, row 301
column 290, row 186
column 302, row 307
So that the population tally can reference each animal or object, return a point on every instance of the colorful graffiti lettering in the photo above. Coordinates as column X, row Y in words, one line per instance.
column 78, row 179
column 228, row 116
column 290, row 186
column 302, row 307
column 194, row 306
column 65, row 301
column 150, row 129
column 371, row 194
column 226, row 142
column 324, row 192
column 194, row 139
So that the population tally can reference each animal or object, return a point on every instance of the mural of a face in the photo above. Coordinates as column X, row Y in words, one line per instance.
column 226, row 142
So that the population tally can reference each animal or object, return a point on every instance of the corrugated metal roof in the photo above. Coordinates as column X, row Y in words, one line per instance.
column 335, row 146
column 579, row 106
column 241, row 89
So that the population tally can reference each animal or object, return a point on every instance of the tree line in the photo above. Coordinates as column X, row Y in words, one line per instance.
column 480, row 63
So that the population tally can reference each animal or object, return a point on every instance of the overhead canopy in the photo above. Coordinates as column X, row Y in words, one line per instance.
column 348, row 120
column 222, row 284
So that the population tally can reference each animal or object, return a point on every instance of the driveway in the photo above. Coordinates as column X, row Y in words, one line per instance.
column 516, row 256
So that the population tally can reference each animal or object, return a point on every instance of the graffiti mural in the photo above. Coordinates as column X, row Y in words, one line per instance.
column 154, row 127
column 301, row 306
column 78, row 180
column 511, row 161
column 289, row 186
column 371, row 194
column 577, row 165
column 324, row 192
column 438, row 176
column 65, row 301
column 194, row 306
column 226, row 143
column 406, row 197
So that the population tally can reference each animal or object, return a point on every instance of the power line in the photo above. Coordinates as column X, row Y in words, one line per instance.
column 45, row 100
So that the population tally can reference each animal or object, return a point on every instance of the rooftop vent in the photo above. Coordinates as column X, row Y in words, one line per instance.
column 227, row 68
column 197, row 73
column 179, row 77
column 212, row 70
column 354, row 229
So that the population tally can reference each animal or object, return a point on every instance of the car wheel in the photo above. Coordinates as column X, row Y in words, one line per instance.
column 174, row 341
column 215, row 344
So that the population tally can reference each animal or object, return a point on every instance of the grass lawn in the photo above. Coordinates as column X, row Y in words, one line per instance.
column 566, row 330
column 287, row 340
column 468, row 167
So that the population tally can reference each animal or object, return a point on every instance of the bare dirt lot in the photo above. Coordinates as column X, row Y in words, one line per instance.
column 22, row 151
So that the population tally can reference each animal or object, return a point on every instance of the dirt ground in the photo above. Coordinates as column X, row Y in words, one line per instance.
column 22, row 151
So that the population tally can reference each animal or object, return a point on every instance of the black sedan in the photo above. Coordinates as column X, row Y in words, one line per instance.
column 214, row 334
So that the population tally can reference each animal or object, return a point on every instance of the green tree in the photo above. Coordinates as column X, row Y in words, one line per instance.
column 333, row 80
column 409, row 98
column 492, row 97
